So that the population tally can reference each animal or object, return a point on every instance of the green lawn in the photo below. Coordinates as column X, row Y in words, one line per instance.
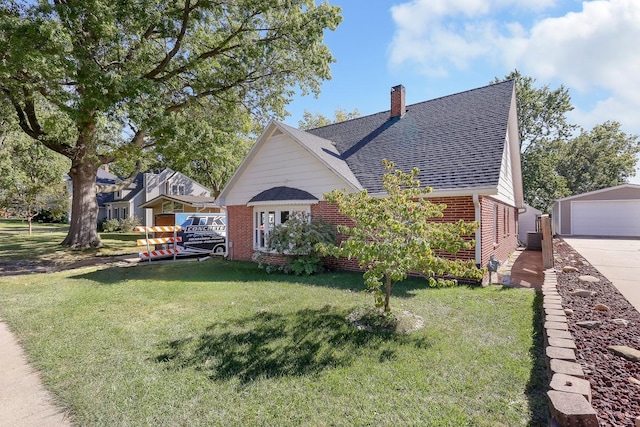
column 223, row 343
column 44, row 244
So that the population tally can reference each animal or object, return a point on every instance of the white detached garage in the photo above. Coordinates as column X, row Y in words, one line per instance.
column 613, row 211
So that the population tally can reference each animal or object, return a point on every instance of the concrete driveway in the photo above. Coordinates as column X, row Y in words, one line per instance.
column 618, row 259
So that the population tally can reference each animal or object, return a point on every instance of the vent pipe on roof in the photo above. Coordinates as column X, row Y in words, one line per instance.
column 397, row 101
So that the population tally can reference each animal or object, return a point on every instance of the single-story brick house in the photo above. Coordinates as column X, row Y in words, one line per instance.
column 466, row 146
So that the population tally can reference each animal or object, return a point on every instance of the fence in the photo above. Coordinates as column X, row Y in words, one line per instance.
column 547, row 242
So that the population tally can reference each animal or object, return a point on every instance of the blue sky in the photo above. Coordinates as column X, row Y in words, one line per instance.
column 439, row 47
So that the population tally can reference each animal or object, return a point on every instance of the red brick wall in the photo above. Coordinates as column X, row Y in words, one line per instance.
column 505, row 241
column 240, row 227
column 330, row 213
column 458, row 208
column 240, row 232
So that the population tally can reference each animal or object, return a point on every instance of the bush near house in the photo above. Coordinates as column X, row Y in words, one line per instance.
column 119, row 225
column 397, row 235
column 295, row 243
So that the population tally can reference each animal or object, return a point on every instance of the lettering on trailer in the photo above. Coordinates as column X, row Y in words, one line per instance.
column 202, row 233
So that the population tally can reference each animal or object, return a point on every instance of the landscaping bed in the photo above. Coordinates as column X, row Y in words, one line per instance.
column 615, row 393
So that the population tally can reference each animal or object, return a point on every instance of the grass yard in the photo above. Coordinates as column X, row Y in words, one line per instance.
column 220, row 343
column 43, row 246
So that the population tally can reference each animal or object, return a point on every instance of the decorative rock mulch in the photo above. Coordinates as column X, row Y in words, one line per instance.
column 614, row 379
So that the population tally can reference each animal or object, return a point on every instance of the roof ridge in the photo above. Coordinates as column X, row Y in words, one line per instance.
column 460, row 93
column 411, row 105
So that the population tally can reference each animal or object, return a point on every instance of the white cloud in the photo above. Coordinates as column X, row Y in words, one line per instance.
column 438, row 34
column 595, row 46
column 593, row 51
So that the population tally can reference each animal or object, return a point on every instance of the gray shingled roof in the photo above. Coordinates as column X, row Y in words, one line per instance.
column 135, row 187
column 456, row 141
column 282, row 193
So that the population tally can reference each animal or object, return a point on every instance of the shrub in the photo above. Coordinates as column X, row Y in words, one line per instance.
column 128, row 224
column 110, row 225
column 296, row 240
column 51, row 216
column 125, row 225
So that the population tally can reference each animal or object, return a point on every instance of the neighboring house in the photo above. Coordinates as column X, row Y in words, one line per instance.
column 527, row 223
column 165, row 207
column 103, row 177
column 133, row 200
column 466, row 147
column 613, row 211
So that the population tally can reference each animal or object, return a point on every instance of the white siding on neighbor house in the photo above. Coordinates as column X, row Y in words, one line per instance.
column 157, row 184
column 505, row 183
column 136, row 211
column 527, row 223
column 281, row 161
column 191, row 188
column 154, row 183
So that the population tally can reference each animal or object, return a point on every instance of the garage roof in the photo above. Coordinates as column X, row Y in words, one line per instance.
column 602, row 190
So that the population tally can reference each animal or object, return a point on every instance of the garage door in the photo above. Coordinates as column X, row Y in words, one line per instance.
column 605, row 218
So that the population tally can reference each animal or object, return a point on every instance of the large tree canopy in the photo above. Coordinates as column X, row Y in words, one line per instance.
column 600, row 158
column 312, row 121
column 115, row 73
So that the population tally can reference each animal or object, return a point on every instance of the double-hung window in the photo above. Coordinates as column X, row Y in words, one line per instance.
column 177, row 189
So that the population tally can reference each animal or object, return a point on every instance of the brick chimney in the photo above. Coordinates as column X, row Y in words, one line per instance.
column 397, row 101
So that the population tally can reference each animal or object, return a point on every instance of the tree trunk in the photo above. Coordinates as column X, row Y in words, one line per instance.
column 387, row 294
column 83, row 229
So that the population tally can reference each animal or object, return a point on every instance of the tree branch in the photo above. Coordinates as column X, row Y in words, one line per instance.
column 176, row 46
column 138, row 141
column 223, row 47
column 147, row 34
column 110, row 188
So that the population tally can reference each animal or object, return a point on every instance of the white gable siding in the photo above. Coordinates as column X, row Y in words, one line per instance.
column 505, row 183
column 154, row 183
column 282, row 162
column 191, row 187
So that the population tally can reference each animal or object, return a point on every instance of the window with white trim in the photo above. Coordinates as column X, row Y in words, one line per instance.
column 265, row 218
column 116, row 213
column 177, row 189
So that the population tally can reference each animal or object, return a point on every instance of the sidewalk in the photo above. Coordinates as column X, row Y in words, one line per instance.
column 527, row 270
column 24, row 402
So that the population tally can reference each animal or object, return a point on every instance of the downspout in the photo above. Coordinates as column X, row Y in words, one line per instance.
column 521, row 210
column 478, row 219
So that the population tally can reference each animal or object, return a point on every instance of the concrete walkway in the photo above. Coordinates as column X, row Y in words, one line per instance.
column 24, row 402
column 618, row 259
column 527, row 271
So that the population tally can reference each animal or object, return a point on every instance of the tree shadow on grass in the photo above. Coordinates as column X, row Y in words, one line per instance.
column 273, row 345
column 217, row 270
